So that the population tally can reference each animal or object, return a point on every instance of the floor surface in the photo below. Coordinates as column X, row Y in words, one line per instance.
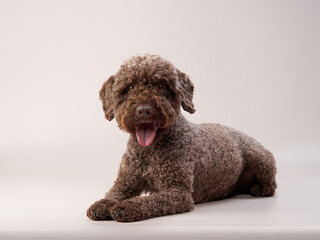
column 49, row 208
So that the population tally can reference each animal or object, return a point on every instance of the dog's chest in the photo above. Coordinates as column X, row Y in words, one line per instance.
column 148, row 173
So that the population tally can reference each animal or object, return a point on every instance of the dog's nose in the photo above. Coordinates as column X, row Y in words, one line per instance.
column 144, row 111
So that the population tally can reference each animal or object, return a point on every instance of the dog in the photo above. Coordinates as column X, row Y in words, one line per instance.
column 178, row 163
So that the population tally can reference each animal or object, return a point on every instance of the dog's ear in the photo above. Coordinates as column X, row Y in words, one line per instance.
column 106, row 98
column 185, row 87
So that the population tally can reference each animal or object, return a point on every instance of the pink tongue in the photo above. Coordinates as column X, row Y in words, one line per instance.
column 145, row 133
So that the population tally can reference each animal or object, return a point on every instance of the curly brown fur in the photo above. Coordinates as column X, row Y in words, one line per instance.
column 178, row 162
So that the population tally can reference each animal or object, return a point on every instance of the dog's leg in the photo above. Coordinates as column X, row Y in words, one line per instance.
column 262, row 167
column 265, row 174
column 127, row 185
column 161, row 203
column 100, row 210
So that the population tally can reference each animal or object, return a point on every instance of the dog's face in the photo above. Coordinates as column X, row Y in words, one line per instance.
column 145, row 96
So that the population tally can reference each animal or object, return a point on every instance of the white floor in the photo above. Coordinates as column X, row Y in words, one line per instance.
column 54, row 208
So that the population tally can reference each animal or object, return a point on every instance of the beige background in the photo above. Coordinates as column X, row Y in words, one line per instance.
column 255, row 66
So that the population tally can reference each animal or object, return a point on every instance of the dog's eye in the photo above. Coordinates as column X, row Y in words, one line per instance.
column 131, row 88
column 161, row 87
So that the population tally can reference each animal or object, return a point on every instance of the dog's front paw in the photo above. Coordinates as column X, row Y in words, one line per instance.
column 100, row 210
column 126, row 211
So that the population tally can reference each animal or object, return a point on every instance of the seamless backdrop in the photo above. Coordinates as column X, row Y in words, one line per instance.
column 254, row 64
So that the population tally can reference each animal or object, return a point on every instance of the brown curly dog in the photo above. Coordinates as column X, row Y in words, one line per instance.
column 178, row 162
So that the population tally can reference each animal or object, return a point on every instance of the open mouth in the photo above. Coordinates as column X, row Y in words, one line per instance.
column 146, row 132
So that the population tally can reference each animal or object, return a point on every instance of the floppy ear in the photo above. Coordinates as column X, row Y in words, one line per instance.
column 185, row 87
column 107, row 99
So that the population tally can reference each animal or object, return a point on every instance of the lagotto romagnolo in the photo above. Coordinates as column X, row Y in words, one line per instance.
column 177, row 162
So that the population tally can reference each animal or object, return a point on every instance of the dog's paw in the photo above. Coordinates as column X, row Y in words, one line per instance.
column 126, row 211
column 100, row 210
column 263, row 190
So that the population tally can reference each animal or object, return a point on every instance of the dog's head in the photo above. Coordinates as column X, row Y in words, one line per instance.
column 145, row 96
